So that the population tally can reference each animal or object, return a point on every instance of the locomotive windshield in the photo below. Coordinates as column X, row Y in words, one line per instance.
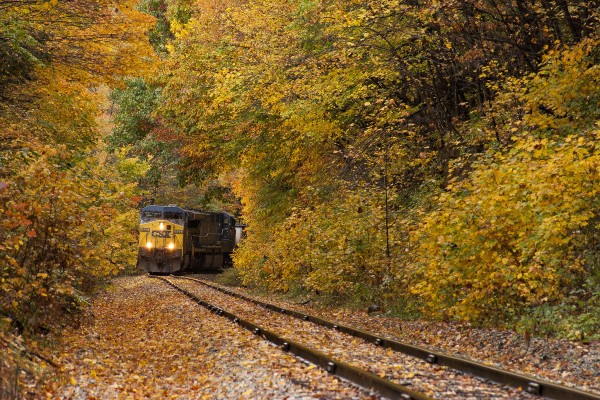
column 151, row 215
column 174, row 216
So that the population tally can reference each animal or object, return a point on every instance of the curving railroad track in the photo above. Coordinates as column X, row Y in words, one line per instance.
column 392, row 368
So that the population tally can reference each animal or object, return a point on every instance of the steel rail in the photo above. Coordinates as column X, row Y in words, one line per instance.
column 338, row 368
column 530, row 384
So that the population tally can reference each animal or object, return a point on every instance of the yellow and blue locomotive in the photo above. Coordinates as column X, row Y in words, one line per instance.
column 173, row 239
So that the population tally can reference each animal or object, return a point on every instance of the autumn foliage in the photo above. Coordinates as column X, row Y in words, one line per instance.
column 521, row 230
column 66, row 217
column 438, row 158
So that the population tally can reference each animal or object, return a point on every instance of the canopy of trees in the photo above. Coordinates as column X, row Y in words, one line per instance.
column 438, row 157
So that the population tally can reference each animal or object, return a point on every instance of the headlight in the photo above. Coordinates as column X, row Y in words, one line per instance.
column 171, row 246
column 149, row 245
column 161, row 226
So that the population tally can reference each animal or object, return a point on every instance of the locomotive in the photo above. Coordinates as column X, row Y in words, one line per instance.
column 173, row 239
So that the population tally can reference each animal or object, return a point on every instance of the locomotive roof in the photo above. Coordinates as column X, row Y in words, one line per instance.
column 170, row 207
column 192, row 214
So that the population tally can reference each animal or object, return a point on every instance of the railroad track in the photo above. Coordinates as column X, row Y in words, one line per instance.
column 385, row 383
column 531, row 384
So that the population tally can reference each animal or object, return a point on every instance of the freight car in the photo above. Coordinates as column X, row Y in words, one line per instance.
column 173, row 239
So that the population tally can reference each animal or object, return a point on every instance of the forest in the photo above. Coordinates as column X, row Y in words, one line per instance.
column 440, row 159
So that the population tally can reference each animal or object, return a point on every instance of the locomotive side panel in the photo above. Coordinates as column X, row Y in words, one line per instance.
column 212, row 238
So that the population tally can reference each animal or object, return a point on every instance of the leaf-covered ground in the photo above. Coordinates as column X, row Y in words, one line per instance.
column 145, row 340
column 142, row 339
column 561, row 361
column 433, row 380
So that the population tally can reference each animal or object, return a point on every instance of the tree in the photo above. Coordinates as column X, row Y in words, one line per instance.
column 66, row 214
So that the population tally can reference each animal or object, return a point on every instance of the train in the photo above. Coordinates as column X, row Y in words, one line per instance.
column 175, row 240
